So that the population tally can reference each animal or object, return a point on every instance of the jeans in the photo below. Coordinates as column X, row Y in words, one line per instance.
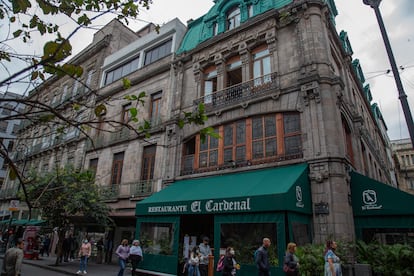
column 193, row 269
column 122, row 264
column 83, row 263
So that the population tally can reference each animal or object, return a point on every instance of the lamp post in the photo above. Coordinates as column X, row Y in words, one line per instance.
column 402, row 96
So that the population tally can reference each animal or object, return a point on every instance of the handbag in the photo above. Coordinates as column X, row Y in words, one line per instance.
column 287, row 269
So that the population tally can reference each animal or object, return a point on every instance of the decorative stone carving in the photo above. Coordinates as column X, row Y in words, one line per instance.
column 310, row 91
column 318, row 173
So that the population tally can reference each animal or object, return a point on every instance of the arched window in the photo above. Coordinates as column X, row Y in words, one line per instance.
column 233, row 18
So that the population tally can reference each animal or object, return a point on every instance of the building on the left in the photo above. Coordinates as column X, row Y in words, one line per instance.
column 10, row 107
column 48, row 144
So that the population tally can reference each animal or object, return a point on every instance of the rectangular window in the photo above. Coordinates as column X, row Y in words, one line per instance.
column 246, row 235
column 93, row 165
column 10, row 146
column 261, row 66
column 122, row 70
column 208, row 155
column 158, row 52
column 3, row 126
column 210, row 84
column 291, row 125
column 264, row 143
column 155, row 108
column 117, row 165
column 148, row 162
column 157, row 238
column 7, row 109
column 235, row 142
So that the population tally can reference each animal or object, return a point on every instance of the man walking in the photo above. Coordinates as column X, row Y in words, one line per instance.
column 262, row 258
column 12, row 263
column 205, row 251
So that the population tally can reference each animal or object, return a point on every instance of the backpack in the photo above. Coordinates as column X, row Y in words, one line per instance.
column 220, row 264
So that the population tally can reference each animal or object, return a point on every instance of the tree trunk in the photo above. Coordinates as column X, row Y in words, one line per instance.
column 59, row 247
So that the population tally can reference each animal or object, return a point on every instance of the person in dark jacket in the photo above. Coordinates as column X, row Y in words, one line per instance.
column 230, row 264
column 262, row 259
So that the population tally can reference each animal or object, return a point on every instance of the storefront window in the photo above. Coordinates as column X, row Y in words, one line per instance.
column 157, row 238
column 245, row 238
column 300, row 233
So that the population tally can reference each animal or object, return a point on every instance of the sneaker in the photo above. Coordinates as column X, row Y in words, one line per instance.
column 84, row 272
column 79, row 272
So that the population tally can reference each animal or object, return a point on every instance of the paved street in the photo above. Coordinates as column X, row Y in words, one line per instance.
column 45, row 267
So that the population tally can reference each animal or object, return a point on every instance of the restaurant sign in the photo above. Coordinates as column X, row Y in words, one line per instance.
column 206, row 206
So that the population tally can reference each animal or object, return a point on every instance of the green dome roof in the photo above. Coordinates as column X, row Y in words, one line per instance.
column 202, row 28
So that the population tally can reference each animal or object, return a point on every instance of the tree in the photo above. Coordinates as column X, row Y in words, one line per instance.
column 30, row 21
column 64, row 194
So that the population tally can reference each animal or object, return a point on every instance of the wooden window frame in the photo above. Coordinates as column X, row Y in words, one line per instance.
column 117, row 166
column 279, row 137
column 148, row 162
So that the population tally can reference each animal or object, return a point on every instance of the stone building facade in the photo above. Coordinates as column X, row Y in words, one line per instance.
column 279, row 86
column 45, row 148
column 404, row 160
column 292, row 64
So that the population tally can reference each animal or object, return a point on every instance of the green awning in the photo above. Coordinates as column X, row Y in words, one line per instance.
column 32, row 222
column 374, row 198
column 276, row 189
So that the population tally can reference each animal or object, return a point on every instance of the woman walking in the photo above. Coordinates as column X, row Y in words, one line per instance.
column 135, row 255
column 332, row 262
column 291, row 262
column 123, row 253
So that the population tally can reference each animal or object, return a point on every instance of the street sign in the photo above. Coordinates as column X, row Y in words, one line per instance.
column 14, row 205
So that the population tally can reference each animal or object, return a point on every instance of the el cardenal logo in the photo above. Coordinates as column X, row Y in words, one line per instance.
column 370, row 200
column 369, row 197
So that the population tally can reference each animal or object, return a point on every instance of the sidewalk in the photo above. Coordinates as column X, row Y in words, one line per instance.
column 70, row 268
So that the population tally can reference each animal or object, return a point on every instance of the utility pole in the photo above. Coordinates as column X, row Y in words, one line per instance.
column 401, row 94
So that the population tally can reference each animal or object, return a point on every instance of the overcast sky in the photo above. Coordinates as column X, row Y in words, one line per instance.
column 357, row 19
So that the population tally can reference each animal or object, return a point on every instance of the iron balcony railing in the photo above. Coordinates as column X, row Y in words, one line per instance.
column 240, row 92
column 136, row 189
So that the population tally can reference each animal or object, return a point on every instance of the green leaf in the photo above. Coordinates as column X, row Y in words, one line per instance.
column 134, row 112
column 100, row 110
column 20, row 6
column 35, row 74
column 126, row 83
column 17, row 33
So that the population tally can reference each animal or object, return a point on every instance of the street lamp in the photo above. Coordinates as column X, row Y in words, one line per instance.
column 402, row 96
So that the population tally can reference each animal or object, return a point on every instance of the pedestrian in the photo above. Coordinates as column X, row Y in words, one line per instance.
column 262, row 258
column 291, row 261
column 84, row 253
column 123, row 253
column 230, row 264
column 108, row 249
column 99, row 250
column 66, row 248
column 46, row 245
column 135, row 255
column 205, row 251
column 194, row 262
column 13, row 258
column 332, row 262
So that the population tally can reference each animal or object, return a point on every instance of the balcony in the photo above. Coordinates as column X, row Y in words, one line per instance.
column 239, row 93
column 188, row 163
column 136, row 189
